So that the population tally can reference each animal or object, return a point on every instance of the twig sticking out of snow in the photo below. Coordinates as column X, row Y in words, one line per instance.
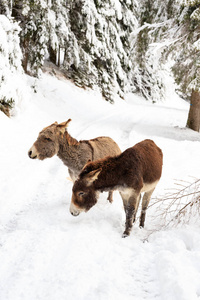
column 179, row 206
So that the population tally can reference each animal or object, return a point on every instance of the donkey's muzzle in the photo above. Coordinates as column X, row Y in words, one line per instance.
column 31, row 155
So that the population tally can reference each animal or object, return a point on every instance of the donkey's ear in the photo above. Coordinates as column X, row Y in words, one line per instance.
column 63, row 125
column 92, row 176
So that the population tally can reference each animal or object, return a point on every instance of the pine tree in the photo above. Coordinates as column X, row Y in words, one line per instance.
column 187, row 59
column 10, row 64
column 59, row 28
column 149, row 47
column 34, row 35
column 97, row 52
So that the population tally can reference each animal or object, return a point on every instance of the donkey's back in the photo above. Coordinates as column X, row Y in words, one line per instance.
column 103, row 146
column 145, row 157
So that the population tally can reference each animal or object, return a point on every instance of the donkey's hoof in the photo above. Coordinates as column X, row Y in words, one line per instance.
column 125, row 234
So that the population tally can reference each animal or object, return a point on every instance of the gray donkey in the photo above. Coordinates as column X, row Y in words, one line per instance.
column 55, row 139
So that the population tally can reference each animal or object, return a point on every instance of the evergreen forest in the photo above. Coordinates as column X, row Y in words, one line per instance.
column 115, row 46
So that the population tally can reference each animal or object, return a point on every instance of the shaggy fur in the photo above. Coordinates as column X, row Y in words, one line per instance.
column 55, row 140
column 136, row 170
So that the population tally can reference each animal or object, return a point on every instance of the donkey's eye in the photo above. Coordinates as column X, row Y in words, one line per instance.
column 47, row 139
column 80, row 194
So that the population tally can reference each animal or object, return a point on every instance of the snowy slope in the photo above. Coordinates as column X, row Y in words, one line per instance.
column 45, row 253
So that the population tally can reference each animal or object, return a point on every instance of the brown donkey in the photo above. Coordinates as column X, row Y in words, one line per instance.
column 136, row 170
column 55, row 139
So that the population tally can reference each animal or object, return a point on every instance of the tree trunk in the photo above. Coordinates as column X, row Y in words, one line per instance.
column 193, row 121
column 25, row 52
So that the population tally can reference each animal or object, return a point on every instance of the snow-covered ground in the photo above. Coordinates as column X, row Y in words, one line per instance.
column 47, row 254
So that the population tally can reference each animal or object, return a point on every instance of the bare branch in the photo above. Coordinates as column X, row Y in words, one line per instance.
column 177, row 207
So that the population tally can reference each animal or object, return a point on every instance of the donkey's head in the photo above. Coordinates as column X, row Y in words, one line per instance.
column 84, row 195
column 47, row 143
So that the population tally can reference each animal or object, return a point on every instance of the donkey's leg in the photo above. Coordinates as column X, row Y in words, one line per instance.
column 130, row 207
column 145, row 202
column 138, row 202
column 110, row 197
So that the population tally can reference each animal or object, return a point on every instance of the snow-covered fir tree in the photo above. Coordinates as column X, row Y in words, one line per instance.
column 186, row 48
column 59, row 28
column 11, row 84
column 98, row 48
column 34, row 34
column 188, row 61
column 150, row 44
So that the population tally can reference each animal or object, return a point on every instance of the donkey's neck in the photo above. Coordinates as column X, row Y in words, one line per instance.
column 68, row 148
column 109, row 178
column 74, row 154
column 69, row 140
